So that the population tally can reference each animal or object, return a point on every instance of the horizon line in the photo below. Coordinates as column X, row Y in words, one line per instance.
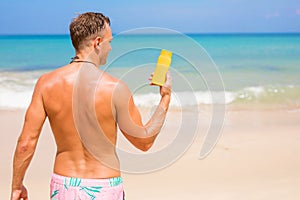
column 151, row 33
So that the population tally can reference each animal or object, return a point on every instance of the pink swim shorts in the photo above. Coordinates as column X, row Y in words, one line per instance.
column 65, row 188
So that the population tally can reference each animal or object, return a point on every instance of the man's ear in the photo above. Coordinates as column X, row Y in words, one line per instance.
column 97, row 41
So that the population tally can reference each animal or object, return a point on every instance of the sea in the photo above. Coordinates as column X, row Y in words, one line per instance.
column 242, row 69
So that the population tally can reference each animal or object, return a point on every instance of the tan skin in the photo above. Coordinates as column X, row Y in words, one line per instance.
column 52, row 98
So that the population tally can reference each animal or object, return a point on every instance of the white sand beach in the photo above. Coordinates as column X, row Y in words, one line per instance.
column 257, row 157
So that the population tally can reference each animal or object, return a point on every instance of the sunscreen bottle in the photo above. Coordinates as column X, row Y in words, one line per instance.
column 162, row 67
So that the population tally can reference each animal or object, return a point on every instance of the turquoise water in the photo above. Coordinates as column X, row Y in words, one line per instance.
column 30, row 52
column 260, row 68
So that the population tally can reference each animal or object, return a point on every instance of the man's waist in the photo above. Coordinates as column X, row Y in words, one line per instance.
column 84, row 182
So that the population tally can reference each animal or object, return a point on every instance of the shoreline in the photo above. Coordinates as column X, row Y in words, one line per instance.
column 231, row 107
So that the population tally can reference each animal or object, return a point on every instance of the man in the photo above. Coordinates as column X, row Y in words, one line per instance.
column 84, row 128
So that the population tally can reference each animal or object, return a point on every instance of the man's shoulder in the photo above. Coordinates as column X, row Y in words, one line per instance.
column 108, row 77
column 48, row 78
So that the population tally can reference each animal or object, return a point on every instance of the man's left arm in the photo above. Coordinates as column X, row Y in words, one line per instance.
column 27, row 141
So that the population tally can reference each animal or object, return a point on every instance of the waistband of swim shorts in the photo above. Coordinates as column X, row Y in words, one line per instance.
column 75, row 182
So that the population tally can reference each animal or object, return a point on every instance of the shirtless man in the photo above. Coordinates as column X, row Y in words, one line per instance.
column 83, row 170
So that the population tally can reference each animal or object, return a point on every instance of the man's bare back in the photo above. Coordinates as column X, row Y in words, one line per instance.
column 72, row 158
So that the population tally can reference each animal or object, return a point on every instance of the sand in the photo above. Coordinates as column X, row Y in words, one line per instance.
column 257, row 157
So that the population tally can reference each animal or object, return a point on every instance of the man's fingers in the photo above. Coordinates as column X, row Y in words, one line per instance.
column 151, row 76
column 16, row 195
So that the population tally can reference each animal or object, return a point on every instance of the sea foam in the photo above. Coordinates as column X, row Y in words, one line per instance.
column 284, row 95
column 16, row 89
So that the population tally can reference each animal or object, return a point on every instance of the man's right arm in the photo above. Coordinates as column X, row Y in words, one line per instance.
column 129, row 118
column 27, row 142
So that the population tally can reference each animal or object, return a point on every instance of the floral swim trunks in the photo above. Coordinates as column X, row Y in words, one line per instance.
column 65, row 188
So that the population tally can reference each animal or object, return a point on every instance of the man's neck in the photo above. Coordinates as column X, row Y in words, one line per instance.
column 86, row 57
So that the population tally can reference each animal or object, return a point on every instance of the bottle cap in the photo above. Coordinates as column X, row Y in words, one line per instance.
column 165, row 58
column 166, row 53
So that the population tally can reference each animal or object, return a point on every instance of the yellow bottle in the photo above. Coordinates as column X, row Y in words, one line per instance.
column 162, row 67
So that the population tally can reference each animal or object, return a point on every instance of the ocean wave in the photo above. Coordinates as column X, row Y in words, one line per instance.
column 268, row 95
column 16, row 91
column 14, row 99
column 12, row 96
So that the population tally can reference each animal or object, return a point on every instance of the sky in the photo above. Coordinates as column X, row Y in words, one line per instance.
column 189, row 16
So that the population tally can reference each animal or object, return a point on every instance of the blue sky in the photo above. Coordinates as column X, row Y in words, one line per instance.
column 190, row 16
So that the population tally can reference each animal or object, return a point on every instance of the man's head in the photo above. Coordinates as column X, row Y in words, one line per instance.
column 91, row 32
column 86, row 27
